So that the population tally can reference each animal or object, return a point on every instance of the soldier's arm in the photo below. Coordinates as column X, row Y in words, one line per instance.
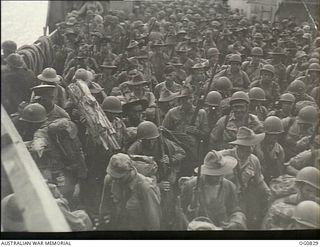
column 177, row 152
column 298, row 162
column 167, row 121
column 246, row 80
column 106, row 202
column 233, row 207
column 151, row 205
column 216, row 135
column 204, row 127
column 259, row 180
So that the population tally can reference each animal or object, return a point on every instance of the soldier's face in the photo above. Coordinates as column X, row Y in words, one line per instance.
column 309, row 192
column 270, row 139
column 266, row 76
column 239, row 110
column 214, row 58
column 235, row 66
column 244, row 151
column 149, row 144
column 305, row 129
column 286, row 107
column 256, row 59
column 170, row 76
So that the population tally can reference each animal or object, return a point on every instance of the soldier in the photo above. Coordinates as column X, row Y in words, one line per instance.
column 135, row 112
column 196, row 79
column 269, row 151
column 180, row 74
column 130, row 201
column 107, row 79
column 306, row 216
column 166, row 102
column 306, row 158
column 284, row 107
column 311, row 79
column 212, row 55
column 269, row 86
column 112, row 107
column 178, row 119
column 32, row 117
column 8, row 48
column 158, row 59
column 168, row 156
column 280, row 70
column 297, row 69
column 138, row 92
column 45, row 95
column 212, row 107
column 168, row 84
column 49, row 77
column 227, row 126
column 16, row 83
column 185, row 60
column 299, row 130
column 298, row 89
column 214, row 196
column 257, row 98
column 253, row 67
column 280, row 213
column 247, row 176
column 237, row 76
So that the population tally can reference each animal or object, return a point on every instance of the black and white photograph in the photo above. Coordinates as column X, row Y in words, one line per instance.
column 160, row 117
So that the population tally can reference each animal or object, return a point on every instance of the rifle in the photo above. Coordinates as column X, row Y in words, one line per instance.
column 202, row 99
column 183, row 220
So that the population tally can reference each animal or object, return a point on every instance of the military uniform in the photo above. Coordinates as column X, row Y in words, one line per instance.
column 272, row 91
column 271, row 158
column 219, row 203
column 252, row 70
column 251, row 187
column 136, row 207
column 227, row 127
column 240, row 80
column 279, row 215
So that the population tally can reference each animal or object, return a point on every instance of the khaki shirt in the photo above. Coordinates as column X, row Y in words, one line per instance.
column 226, row 130
column 132, row 207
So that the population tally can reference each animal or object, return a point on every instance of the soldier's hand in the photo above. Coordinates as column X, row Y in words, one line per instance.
column 106, row 219
column 192, row 130
column 230, row 226
column 303, row 142
column 164, row 159
column 164, row 186
column 76, row 191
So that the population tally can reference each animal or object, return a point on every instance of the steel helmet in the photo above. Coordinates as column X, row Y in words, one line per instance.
column 297, row 86
column 308, row 114
column 257, row 93
column 307, row 213
column 212, row 51
column 314, row 67
column 258, row 36
column 9, row 45
column 313, row 60
column 235, row 58
column 49, row 75
column 315, row 55
column 147, row 130
column 112, row 104
column 81, row 74
column 269, row 68
column 287, row 97
column 239, row 96
column 34, row 113
column 223, row 84
column 309, row 175
column 256, row 51
column 213, row 98
column 273, row 125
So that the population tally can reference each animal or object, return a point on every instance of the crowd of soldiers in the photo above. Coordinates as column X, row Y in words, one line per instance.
column 215, row 116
